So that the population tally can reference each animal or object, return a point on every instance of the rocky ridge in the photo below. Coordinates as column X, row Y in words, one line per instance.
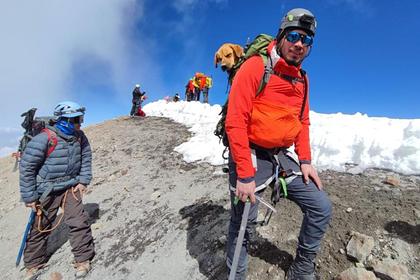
column 155, row 216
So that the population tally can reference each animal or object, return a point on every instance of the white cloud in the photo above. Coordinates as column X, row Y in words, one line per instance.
column 43, row 42
column 9, row 130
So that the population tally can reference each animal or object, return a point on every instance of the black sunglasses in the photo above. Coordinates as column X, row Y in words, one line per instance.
column 78, row 120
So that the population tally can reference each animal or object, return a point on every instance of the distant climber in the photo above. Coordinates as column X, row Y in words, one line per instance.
column 137, row 99
column 176, row 98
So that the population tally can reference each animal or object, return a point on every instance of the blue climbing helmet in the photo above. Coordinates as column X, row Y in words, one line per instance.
column 69, row 109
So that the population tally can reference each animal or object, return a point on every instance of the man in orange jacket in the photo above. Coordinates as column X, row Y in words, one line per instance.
column 257, row 158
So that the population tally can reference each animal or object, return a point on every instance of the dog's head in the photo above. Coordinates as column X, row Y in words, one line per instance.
column 227, row 55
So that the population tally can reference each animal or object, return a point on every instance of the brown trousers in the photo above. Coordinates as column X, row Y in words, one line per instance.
column 80, row 234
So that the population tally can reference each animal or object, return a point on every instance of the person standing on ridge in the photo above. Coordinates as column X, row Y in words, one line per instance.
column 208, row 85
column 176, row 97
column 55, row 170
column 136, row 100
column 197, row 90
column 258, row 144
column 189, row 90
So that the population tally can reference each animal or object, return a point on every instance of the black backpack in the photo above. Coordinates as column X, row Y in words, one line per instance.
column 33, row 126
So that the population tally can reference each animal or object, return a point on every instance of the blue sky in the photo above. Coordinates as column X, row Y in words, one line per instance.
column 364, row 59
column 365, row 56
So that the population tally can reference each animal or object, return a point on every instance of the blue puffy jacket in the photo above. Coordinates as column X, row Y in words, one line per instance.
column 69, row 164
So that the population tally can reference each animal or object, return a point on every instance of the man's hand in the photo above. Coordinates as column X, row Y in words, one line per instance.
column 81, row 188
column 245, row 190
column 309, row 172
column 31, row 205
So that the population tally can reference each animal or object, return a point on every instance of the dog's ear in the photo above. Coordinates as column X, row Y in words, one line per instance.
column 216, row 59
column 238, row 50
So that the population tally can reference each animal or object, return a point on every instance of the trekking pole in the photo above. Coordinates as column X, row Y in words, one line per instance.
column 16, row 155
column 25, row 236
column 240, row 239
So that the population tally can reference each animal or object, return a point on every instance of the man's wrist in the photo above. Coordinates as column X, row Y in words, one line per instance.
column 246, row 180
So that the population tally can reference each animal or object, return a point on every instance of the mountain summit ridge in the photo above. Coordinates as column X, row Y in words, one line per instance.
column 155, row 216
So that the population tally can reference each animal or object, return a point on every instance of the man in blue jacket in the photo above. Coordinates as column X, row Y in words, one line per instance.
column 55, row 169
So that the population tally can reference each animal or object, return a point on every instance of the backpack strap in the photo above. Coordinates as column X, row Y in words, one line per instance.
column 305, row 95
column 52, row 140
column 268, row 70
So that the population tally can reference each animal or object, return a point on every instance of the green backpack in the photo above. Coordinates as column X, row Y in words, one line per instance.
column 257, row 47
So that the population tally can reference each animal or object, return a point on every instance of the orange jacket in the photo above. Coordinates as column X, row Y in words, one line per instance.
column 277, row 91
column 190, row 86
column 203, row 82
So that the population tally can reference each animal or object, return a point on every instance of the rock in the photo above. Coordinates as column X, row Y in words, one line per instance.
column 355, row 170
column 360, row 246
column 396, row 192
column 270, row 269
column 342, row 251
column 359, row 264
column 348, row 210
column 417, row 213
column 124, row 172
column 56, row 276
column 369, row 260
column 96, row 226
column 403, row 251
column 223, row 239
column 390, row 180
column 275, row 273
column 112, row 177
column 356, row 273
column 390, row 269
column 155, row 195
column 130, row 249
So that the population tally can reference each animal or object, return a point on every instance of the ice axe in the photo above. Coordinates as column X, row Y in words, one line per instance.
column 241, row 233
column 25, row 236
column 240, row 240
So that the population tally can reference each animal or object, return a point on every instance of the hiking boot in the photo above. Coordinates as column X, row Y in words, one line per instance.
column 293, row 275
column 302, row 268
column 33, row 272
column 82, row 269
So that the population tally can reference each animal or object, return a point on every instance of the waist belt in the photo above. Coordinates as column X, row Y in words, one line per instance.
column 56, row 180
column 50, row 185
column 271, row 151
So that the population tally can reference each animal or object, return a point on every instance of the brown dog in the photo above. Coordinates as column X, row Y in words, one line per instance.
column 228, row 55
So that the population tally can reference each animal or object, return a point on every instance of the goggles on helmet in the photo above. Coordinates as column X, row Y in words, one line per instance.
column 78, row 120
column 294, row 36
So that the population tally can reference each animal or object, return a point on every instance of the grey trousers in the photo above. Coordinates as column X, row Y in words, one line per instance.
column 315, row 205
column 80, row 234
